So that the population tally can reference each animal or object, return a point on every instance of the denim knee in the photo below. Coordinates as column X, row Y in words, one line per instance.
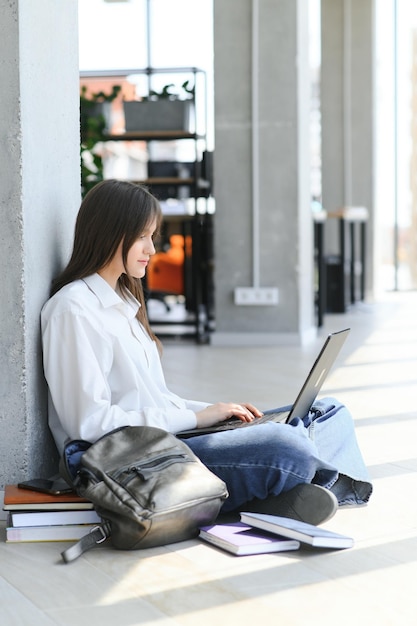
column 259, row 461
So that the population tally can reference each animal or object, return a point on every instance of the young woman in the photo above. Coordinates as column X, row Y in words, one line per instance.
column 103, row 369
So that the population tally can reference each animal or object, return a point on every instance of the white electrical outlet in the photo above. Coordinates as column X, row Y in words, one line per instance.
column 256, row 296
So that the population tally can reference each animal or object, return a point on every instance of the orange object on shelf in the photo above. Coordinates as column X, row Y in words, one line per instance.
column 165, row 271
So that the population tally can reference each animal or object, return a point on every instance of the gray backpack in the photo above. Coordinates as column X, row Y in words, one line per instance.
column 148, row 487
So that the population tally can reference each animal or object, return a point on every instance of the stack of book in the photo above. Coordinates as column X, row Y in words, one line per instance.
column 36, row 516
column 258, row 534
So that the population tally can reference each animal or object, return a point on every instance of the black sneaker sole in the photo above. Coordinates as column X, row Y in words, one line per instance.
column 307, row 503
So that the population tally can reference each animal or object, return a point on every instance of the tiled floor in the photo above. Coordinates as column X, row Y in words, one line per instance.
column 191, row 583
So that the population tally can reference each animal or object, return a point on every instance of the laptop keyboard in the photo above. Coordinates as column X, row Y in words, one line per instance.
column 234, row 422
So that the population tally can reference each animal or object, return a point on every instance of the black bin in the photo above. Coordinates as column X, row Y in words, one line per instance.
column 336, row 285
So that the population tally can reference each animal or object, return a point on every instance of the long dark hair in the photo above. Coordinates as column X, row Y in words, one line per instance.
column 111, row 212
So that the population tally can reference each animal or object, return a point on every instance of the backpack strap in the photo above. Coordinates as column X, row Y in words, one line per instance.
column 97, row 535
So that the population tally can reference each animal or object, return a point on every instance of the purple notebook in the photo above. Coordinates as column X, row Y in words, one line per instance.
column 242, row 539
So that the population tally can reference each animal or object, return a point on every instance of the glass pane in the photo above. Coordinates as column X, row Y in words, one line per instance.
column 181, row 33
column 407, row 144
column 112, row 35
column 396, row 143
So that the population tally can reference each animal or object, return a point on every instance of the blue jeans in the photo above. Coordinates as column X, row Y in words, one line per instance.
column 272, row 458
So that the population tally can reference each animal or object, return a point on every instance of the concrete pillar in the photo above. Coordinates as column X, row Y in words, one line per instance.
column 39, row 197
column 263, row 226
column 347, row 106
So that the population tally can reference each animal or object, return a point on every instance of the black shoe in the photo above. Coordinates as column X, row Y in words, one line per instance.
column 307, row 503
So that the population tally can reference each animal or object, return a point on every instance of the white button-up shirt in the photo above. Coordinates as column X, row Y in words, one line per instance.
column 102, row 368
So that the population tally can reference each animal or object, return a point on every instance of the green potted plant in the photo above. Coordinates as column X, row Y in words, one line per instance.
column 165, row 110
column 95, row 114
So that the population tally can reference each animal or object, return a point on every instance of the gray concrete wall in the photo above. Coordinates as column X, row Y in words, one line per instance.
column 39, row 197
column 285, row 239
column 348, row 111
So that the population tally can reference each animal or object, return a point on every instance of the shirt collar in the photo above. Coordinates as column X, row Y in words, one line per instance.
column 108, row 297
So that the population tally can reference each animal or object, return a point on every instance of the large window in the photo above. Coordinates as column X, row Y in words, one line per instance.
column 396, row 145
column 114, row 34
column 117, row 37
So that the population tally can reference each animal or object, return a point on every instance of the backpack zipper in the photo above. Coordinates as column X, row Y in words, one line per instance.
column 145, row 470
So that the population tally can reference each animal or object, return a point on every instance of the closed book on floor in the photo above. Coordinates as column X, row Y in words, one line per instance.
column 52, row 518
column 305, row 533
column 242, row 540
column 69, row 532
column 16, row 498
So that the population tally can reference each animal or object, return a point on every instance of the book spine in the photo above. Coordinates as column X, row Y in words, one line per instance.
column 72, row 532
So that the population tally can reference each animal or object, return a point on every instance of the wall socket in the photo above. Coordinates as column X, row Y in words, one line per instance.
column 256, row 296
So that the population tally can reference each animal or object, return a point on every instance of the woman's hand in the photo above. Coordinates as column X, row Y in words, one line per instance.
column 223, row 410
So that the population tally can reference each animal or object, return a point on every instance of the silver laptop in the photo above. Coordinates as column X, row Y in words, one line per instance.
column 305, row 399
